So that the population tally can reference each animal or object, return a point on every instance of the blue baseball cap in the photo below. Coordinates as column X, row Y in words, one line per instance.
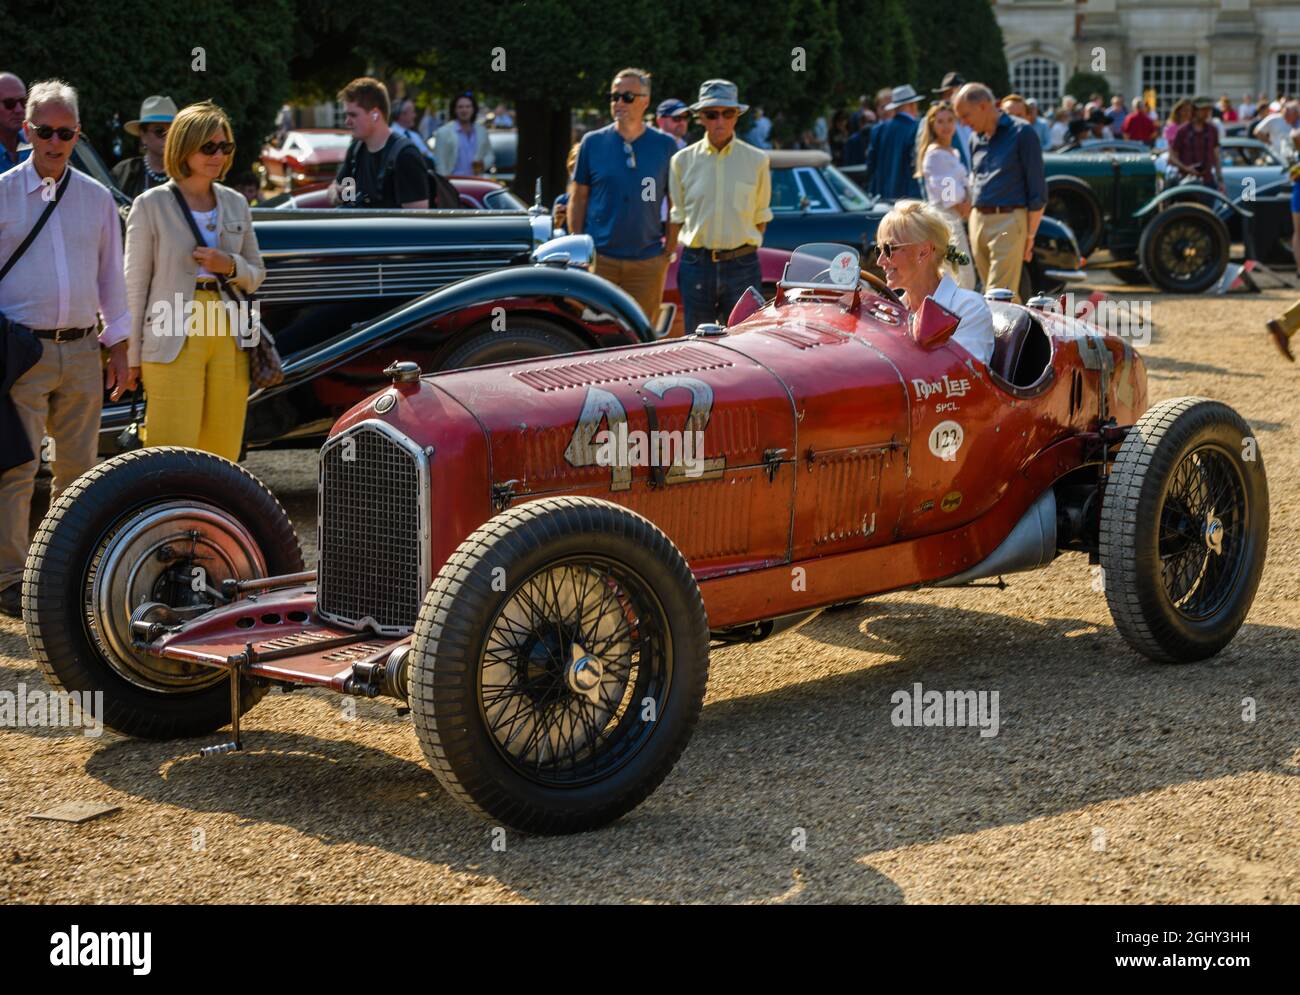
column 672, row 107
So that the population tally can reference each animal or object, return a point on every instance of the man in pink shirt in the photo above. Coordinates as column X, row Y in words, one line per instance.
column 69, row 278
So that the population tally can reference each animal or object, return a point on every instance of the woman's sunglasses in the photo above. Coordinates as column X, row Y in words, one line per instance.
column 887, row 248
column 627, row 96
column 727, row 113
column 45, row 132
column 212, row 148
column 12, row 102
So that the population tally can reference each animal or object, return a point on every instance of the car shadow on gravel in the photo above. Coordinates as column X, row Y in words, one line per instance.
column 815, row 763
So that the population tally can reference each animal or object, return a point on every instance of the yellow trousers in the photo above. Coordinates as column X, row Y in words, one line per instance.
column 200, row 399
column 997, row 242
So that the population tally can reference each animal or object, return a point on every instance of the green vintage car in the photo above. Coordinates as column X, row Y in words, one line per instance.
column 1175, row 237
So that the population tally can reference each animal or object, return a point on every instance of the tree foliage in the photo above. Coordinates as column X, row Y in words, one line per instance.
column 118, row 54
column 959, row 35
column 1083, row 85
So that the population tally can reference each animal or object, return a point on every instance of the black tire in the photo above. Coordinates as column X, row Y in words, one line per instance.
column 99, row 514
column 524, row 338
column 1184, row 248
column 1131, row 275
column 465, row 629
column 1079, row 209
column 1189, row 470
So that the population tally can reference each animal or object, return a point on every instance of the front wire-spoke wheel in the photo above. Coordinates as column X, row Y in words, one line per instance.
column 559, row 664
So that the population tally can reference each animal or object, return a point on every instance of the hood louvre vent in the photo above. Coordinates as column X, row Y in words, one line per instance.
column 654, row 363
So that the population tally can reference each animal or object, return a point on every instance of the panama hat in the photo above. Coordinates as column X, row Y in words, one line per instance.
column 719, row 93
column 901, row 96
column 154, row 110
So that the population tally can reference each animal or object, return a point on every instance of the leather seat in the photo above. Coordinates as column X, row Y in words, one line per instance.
column 1013, row 328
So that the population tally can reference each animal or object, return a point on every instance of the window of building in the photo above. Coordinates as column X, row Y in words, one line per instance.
column 1039, row 78
column 1287, row 77
column 1171, row 76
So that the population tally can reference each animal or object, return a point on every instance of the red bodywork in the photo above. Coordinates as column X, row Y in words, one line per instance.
column 304, row 158
column 832, row 473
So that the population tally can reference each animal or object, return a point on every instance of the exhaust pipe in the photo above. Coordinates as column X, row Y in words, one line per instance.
column 1031, row 544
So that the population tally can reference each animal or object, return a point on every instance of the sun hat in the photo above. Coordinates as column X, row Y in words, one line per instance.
column 154, row 110
column 718, row 93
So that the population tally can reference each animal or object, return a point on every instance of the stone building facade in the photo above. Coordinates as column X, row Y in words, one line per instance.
column 1181, row 49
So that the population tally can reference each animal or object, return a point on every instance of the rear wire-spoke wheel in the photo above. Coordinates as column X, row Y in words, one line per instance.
column 559, row 664
column 1184, row 529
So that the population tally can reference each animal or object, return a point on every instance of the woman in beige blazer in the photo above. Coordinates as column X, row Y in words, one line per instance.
column 188, row 342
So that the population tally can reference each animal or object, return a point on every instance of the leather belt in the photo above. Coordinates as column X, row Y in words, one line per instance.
column 725, row 255
column 999, row 210
column 60, row 335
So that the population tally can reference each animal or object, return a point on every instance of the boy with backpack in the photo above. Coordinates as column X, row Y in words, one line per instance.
column 382, row 168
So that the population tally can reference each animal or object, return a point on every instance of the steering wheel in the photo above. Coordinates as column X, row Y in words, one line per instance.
column 876, row 283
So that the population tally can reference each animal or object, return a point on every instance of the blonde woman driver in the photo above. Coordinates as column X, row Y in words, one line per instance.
column 192, row 359
column 915, row 242
column 946, row 180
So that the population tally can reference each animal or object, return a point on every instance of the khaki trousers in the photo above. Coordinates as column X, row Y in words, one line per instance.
column 200, row 398
column 58, row 401
column 643, row 279
column 998, row 245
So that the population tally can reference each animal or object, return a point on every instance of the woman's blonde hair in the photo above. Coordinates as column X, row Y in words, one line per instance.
column 1178, row 108
column 188, row 131
column 916, row 221
column 925, row 136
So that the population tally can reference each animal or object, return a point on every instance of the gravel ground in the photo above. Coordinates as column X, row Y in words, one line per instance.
column 1111, row 780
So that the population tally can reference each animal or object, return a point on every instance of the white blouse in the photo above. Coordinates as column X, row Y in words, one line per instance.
column 975, row 331
column 945, row 177
column 202, row 219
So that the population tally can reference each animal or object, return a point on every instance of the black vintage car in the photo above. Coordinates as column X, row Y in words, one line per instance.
column 348, row 292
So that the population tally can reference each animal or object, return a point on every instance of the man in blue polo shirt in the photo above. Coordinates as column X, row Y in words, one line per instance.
column 1008, row 188
column 619, row 186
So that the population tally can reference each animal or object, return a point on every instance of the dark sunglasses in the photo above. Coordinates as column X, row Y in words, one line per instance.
column 627, row 96
column 158, row 130
column 887, row 248
column 45, row 132
column 727, row 113
column 212, row 148
column 12, row 102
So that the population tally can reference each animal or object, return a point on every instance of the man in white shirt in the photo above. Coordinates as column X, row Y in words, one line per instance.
column 69, row 277
column 1276, row 129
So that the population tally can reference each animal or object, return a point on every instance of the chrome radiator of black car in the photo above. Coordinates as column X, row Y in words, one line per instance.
column 373, row 529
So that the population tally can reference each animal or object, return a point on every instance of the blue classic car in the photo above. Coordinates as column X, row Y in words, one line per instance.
column 813, row 201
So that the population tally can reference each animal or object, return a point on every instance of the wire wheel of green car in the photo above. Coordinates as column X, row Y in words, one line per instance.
column 1184, row 248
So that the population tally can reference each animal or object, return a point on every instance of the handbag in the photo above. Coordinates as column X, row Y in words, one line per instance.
column 265, row 369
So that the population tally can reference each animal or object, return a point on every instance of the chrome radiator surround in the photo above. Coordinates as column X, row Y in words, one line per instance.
column 350, row 568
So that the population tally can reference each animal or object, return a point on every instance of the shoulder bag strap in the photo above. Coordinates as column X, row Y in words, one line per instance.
column 40, row 223
column 222, row 282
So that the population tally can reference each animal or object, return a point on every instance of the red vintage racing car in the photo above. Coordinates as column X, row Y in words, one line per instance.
column 538, row 555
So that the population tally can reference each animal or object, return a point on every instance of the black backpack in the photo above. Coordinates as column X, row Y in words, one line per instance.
column 441, row 193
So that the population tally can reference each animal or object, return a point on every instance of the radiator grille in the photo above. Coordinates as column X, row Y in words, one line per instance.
column 372, row 531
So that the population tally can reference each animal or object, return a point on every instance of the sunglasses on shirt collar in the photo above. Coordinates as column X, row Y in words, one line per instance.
column 45, row 132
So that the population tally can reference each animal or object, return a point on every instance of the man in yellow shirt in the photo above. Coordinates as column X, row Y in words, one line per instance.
column 720, row 189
